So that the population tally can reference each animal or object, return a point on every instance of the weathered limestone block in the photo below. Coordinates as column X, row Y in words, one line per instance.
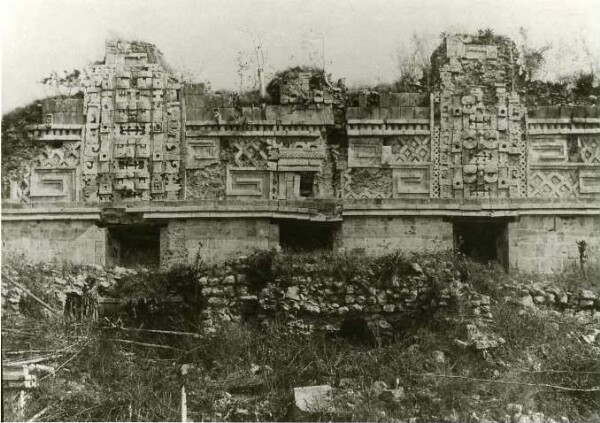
column 312, row 399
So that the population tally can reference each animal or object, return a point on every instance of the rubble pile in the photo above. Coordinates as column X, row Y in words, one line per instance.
column 306, row 292
column 548, row 296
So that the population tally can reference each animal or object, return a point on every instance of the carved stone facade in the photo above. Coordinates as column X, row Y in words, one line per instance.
column 564, row 156
column 139, row 134
column 142, row 140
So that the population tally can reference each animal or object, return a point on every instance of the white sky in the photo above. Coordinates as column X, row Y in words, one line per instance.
column 205, row 36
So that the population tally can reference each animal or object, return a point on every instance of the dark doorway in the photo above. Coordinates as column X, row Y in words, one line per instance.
column 482, row 240
column 306, row 236
column 134, row 246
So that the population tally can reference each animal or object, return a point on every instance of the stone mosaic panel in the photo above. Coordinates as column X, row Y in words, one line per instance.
column 548, row 150
column 55, row 184
column 589, row 181
column 364, row 152
column 298, row 155
column 201, row 153
column 248, row 182
column 409, row 181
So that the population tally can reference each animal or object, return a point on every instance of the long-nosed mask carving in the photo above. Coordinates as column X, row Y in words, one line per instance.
column 469, row 174
column 468, row 104
column 470, row 139
column 490, row 173
column 489, row 139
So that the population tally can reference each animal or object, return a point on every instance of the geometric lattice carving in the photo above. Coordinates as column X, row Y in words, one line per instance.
column 553, row 183
column 435, row 158
column 408, row 149
column 66, row 156
column 250, row 153
column 590, row 150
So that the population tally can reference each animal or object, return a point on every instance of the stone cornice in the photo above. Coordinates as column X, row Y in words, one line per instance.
column 315, row 210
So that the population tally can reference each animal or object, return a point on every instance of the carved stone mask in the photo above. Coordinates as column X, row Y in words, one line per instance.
column 470, row 139
column 490, row 139
column 469, row 174
column 468, row 102
column 490, row 174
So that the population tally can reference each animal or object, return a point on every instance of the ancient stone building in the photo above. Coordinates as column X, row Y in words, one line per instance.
column 145, row 169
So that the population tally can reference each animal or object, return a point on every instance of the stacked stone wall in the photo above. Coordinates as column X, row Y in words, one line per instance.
column 321, row 293
column 310, row 295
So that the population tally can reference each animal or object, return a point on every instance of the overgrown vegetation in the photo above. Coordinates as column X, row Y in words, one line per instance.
column 17, row 145
column 110, row 372
column 316, row 81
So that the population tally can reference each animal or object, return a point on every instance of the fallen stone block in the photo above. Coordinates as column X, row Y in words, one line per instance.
column 312, row 399
column 439, row 357
column 292, row 293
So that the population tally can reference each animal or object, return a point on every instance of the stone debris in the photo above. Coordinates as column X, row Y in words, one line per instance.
column 392, row 396
column 417, row 269
column 439, row 357
column 83, row 281
column 378, row 387
column 310, row 299
column 481, row 339
column 346, row 383
column 515, row 414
